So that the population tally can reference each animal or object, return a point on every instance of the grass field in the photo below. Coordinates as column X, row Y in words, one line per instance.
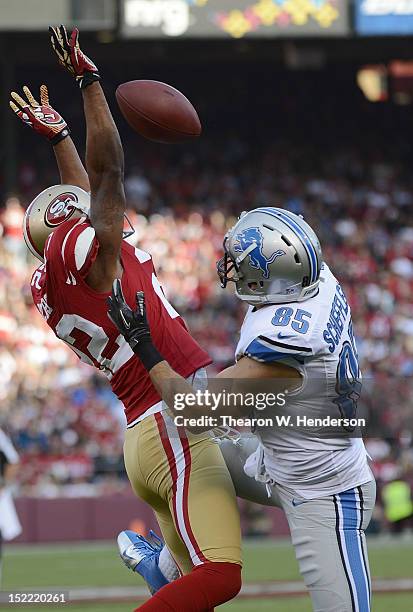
column 97, row 565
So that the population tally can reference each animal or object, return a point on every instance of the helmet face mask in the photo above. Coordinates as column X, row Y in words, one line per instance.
column 272, row 256
column 226, row 266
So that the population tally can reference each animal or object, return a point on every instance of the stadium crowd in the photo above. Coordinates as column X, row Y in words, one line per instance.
column 62, row 416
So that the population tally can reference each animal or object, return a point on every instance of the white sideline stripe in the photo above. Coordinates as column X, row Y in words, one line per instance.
column 15, row 549
column 252, row 589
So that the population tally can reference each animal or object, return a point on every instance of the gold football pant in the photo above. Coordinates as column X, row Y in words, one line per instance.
column 184, row 478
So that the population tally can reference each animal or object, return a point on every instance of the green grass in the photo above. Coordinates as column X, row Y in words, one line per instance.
column 94, row 565
column 382, row 603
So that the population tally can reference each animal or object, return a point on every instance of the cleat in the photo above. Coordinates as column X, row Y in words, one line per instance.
column 155, row 540
column 141, row 555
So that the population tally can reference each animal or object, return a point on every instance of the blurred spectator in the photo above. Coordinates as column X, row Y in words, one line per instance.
column 64, row 419
column 398, row 505
column 11, row 220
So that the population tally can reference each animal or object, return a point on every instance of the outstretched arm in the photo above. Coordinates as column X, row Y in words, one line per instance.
column 133, row 325
column 104, row 159
column 47, row 122
column 104, row 162
column 71, row 169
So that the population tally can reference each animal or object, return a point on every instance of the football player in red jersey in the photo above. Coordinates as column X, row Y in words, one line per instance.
column 76, row 230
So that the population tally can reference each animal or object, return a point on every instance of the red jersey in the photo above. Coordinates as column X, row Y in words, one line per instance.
column 78, row 315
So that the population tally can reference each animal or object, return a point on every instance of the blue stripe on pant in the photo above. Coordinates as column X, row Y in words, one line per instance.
column 350, row 526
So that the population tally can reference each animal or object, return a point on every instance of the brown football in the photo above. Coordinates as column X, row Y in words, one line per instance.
column 158, row 111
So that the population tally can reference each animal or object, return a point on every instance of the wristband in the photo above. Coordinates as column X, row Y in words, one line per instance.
column 60, row 136
column 148, row 354
column 88, row 78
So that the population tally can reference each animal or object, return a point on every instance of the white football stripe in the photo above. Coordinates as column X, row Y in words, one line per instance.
column 83, row 245
column 181, row 466
column 358, row 506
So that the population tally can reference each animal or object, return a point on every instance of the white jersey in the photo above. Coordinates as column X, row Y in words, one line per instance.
column 8, row 454
column 316, row 338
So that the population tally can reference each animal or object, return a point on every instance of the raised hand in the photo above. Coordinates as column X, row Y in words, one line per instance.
column 40, row 116
column 71, row 57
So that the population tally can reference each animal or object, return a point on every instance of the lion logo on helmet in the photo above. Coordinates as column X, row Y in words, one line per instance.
column 60, row 209
column 257, row 259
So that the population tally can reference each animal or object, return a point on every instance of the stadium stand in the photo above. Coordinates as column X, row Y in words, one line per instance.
column 63, row 418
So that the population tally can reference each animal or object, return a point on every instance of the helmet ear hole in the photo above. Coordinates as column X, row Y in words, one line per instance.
column 52, row 207
column 254, row 285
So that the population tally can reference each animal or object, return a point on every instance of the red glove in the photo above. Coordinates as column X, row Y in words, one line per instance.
column 71, row 57
column 41, row 117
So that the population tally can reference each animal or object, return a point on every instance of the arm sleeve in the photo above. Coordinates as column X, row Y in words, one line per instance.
column 7, row 448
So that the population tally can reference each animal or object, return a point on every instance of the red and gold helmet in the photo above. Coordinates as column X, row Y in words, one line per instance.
column 49, row 209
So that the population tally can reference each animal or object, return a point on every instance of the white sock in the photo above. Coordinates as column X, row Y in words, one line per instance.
column 167, row 565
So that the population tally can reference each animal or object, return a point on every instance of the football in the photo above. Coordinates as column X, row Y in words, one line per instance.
column 158, row 111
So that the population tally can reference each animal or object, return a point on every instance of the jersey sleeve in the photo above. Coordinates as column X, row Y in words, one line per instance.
column 283, row 334
column 75, row 247
column 269, row 348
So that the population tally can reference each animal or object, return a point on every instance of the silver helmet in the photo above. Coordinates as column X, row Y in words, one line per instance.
column 273, row 256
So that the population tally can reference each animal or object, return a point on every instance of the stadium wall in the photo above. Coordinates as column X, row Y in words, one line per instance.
column 101, row 518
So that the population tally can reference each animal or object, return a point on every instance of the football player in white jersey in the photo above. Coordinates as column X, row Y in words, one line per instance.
column 298, row 327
